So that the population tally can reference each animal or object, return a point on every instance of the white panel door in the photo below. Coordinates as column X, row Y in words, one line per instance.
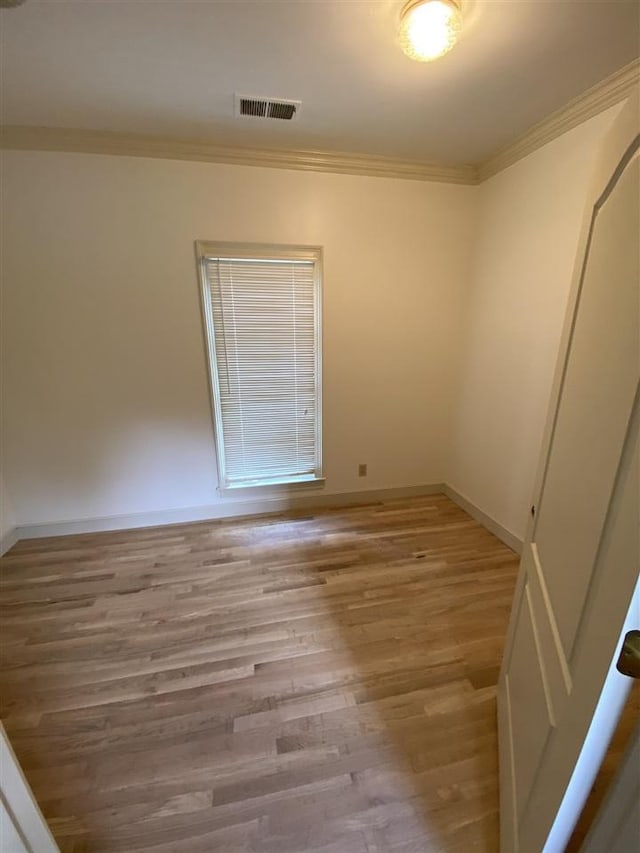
column 581, row 559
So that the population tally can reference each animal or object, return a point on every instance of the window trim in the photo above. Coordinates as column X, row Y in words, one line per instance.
column 207, row 249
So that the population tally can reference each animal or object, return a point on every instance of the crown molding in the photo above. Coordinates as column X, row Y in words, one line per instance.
column 603, row 95
column 18, row 137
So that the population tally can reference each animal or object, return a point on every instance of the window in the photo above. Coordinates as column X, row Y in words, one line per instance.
column 261, row 307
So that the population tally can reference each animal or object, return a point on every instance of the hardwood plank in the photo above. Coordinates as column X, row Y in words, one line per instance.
column 298, row 683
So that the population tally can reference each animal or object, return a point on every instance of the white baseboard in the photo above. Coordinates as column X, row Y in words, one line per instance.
column 239, row 508
column 9, row 540
column 232, row 509
column 485, row 520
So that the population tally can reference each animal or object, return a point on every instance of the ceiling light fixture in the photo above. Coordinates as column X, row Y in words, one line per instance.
column 429, row 28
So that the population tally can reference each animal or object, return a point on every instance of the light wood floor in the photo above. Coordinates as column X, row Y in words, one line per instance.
column 317, row 683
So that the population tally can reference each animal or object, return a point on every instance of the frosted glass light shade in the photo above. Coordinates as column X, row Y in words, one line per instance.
column 429, row 28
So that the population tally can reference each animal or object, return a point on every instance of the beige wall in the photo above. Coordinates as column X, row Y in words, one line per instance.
column 443, row 307
column 529, row 218
column 107, row 407
column 7, row 516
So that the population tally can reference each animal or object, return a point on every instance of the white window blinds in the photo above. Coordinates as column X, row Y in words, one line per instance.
column 262, row 322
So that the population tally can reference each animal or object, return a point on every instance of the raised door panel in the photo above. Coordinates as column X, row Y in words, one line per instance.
column 10, row 841
column 531, row 717
column 558, row 676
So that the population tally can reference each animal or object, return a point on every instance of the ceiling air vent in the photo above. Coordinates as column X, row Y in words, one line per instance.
column 278, row 108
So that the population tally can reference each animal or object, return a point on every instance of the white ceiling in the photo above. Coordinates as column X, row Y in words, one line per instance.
column 171, row 67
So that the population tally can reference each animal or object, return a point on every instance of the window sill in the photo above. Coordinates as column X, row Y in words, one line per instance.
column 297, row 483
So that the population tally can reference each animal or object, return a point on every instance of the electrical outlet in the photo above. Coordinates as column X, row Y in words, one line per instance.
column 362, row 470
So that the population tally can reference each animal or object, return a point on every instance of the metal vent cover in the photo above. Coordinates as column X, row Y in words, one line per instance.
column 250, row 106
